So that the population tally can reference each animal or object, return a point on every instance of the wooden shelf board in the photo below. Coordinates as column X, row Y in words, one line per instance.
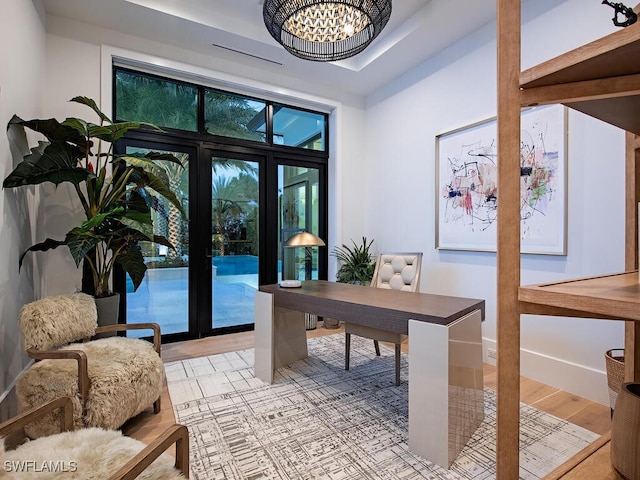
column 611, row 56
column 619, row 111
column 610, row 296
column 594, row 463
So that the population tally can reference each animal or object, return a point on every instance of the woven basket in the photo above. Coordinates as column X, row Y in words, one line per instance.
column 614, row 359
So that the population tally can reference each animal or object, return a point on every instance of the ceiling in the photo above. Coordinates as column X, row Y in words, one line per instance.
column 234, row 30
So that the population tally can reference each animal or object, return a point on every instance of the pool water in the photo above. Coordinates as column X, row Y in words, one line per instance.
column 236, row 265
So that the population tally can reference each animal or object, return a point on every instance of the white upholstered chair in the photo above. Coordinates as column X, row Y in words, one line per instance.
column 110, row 379
column 395, row 271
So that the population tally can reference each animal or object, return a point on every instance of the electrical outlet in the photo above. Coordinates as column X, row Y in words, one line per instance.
column 491, row 353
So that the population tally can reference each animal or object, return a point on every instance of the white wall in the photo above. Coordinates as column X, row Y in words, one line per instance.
column 22, row 55
column 60, row 209
column 457, row 88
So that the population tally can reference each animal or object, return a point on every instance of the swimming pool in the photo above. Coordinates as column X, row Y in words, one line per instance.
column 236, row 265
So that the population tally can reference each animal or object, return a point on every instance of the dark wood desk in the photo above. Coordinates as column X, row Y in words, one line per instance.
column 379, row 308
column 446, row 397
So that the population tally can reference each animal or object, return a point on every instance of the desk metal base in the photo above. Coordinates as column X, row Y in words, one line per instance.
column 446, row 387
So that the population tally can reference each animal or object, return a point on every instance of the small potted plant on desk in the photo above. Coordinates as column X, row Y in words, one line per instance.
column 356, row 267
column 117, row 194
column 356, row 264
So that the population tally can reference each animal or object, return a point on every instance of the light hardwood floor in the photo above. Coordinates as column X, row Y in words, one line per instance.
column 146, row 426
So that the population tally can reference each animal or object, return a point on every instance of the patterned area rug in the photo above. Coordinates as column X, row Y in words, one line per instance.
column 319, row 422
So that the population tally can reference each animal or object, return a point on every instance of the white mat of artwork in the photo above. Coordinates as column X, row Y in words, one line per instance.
column 318, row 421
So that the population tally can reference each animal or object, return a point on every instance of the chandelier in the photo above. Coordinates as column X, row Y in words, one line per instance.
column 325, row 31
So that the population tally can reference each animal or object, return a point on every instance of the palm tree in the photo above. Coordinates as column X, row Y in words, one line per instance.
column 224, row 209
column 166, row 104
column 231, row 116
column 174, row 219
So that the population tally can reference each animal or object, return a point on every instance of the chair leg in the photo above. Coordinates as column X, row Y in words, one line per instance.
column 347, row 350
column 397, row 365
column 156, row 406
column 377, row 347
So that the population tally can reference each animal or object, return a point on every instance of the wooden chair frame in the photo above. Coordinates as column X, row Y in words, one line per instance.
column 175, row 434
column 81, row 357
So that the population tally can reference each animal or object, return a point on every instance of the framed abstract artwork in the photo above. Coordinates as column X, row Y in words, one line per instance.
column 467, row 189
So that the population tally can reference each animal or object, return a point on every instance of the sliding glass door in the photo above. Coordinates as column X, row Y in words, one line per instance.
column 255, row 173
column 234, row 243
column 163, row 296
column 242, row 207
column 299, row 210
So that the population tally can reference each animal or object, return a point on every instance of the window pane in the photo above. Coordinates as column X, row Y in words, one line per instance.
column 234, row 241
column 298, row 128
column 299, row 211
column 164, row 293
column 234, row 116
column 153, row 100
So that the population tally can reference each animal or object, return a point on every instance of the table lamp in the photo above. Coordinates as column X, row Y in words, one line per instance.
column 306, row 240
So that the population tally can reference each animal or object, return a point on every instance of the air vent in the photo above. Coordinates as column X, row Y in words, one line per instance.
column 245, row 53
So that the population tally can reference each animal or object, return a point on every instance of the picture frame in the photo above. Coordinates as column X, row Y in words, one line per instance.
column 466, row 184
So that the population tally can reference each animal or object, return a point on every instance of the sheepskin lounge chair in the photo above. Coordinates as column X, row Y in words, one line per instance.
column 89, row 452
column 109, row 379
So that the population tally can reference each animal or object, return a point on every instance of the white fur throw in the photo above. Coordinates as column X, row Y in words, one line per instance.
column 57, row 320
column 90, row 453
column 126, row 376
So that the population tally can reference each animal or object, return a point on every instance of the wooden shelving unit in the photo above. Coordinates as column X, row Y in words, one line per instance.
column 613, row 297
column 601, row 79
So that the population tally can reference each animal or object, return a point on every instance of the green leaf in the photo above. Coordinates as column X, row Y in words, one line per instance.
column 48, row 162
column 138, row 202
column 92, row 104
column 132, row 262
column 80, row 126
column 163, row 157
column 156, row 184
column 143, row 164
column 100, row 218
column 115, row 131
column 50, row 128
column 80, row 242
column 48, row 244
column 163, row 241
column 139, row 221
column 120, row 212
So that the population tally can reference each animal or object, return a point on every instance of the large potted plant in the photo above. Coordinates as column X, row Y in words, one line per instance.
column 117, row 192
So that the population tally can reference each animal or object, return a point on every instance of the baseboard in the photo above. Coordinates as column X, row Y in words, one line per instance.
column 583, row 381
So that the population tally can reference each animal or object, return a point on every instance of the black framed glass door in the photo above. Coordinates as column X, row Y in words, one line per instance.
column 298, row 210
column 165, row 294
column 256, row 172
column 234, row 247
column 242, row 206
